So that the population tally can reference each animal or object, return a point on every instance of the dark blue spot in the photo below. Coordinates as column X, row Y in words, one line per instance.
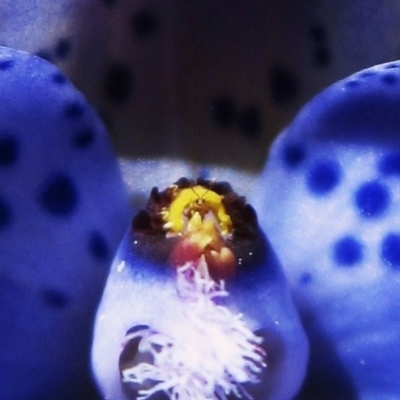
column 144, row 23
column 293, row 155
column 392, row 66
column 59, row 196
column 118, row 83
column 63, row 48
column 59, row 78
column 323, row 177
column 305, row 278
column 250, row 122
column 224, row 111
column 84, row 138
column 347, row 251
column 390, row 250
column 372, row 199
column 352, row 84
column 284, row 85
column 390, row 164
column 74, row 109
column 367, row 74
column 5, row 214
column 98, row 246
column 8, row 150
column 6, row 64
column 389, row 79
column 55, row 298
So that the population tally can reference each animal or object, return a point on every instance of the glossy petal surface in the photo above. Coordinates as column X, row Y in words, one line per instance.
column 333, row 216
column 63, row 210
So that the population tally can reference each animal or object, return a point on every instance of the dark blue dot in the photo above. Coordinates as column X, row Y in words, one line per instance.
column 59, row 78
column 352, row 84
column 347, row 251
column 323, row 177
column 305, row 278
column 389, row 79
column 6, row 64
column 63, row 48
column 293, row 155
column 390, row 164
column 98, row 246
column 74, row 109
column 372, row 199
column 390, row 250
column 5, row 214
column 84, row 138
column 55, row 298
column 118, row 83
column 59, row 196
column 8, row 150
column 367, row 74
column 392, row 66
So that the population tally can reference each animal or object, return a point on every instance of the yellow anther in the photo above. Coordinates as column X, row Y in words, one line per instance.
column 196, row 200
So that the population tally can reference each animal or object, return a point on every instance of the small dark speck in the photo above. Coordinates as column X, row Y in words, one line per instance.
column 144, row 23
column 74, row 109
column 63, row 49
column 58, row 196
column 98, row 246
column 293, row 155
column 55, row 298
